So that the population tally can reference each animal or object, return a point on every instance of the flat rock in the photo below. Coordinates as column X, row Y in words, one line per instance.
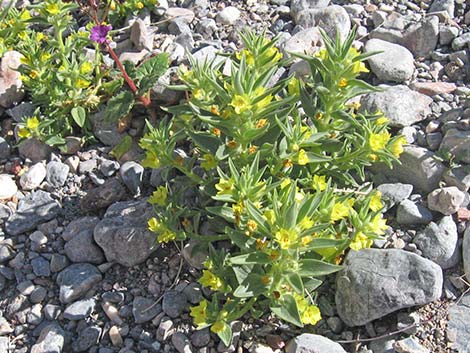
column 174, row 303
column 446, row 200
column 299, row 6
column 438, row 242
column 80, row 309
column 409, row 212
column 310, row 343
column 86, row 339
column 228, row 16
column 51, row 340
column 421, row 38
column 145, row 309
column 400, row 104
column 385, row 66
column 57, row 173
column 131, row 174
column 82, row 248
column 36, row 208
column 395, row 193
column 457, row 328
column 123, row 233
column 457, row 144
column 306, row 41
column 78, row 226
column 419, row 167
column 8, row 187
column 104, row 195
column 409, row 345
column 459, row 177
column 10, row 82
column 76, row 280
column 34, row 150
column 377, row 282
column 466, row 253
column 33, row 178
column 433, row 88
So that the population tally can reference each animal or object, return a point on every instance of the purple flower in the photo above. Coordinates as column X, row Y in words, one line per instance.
column 99, row 33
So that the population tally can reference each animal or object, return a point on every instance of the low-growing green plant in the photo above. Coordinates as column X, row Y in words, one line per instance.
column 119, row 10
column 273, row 168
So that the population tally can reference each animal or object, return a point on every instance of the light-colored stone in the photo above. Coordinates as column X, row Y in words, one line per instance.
column 33, row 178
column 8, row 187
column 457, row 144
column 310, row 343
column 446, row 200
column 10, row 83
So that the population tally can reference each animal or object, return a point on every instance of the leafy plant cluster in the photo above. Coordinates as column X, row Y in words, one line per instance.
column 64, row 73
column 272, row 166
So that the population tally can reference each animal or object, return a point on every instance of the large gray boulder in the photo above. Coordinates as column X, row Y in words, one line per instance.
column 466, row 253
column 377, row 282
column 457, row 328
column 123, row 233
column 457, row 144
column 400, row 104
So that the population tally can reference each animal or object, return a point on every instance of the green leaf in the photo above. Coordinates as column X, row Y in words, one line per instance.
column 55, row 140
column 79, row 115
column 119, row 106
column 252, row 286
column 226, row 334
column 311, row 267
column 207, row 142
column 251, row 258
column 122, row 147
column 150, row 71
column 287, row 310
column 296, row 282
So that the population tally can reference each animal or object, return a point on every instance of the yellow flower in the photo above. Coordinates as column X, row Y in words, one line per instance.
column 270, row 216
column 378, row 141
column 306, row 223
column 166, row 235
column 45, row 56
column 23, row 35
column 159, row 196
column 249, row 58
column 377, row 225
column 373, row 157
column 381, row 121
column 23, row 132
column 240, row 103
column 359, row 67
column 198, row 94
column 199, row 313
column 209, row 161
column 251, row 225
column 311, row 315
column 151, row 160
column 360, row 242
column 32, row 123
column 81, row 83
column 307, row 240
column 215, row 110
column 396, row 147
column 252, row 149
column 34, row 74
column 274, row 53
column 375, row 203
column 319, row 182
column 322, row 54
column 339, row 211
column 224, row 186
column 218, row 326
column 52, row 9
column 140, row 5
column 301, row 302
column 265, row 101
column 86, row 68
column 25, row 15
column 285, row 238
column 261, row 123
column 342, row 83
column 306, row 131
column 302, row 157
column 285, row 182
column 154, row 225
column 210, row 280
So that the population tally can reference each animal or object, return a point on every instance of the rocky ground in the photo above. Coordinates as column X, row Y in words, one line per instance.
column 79, row 271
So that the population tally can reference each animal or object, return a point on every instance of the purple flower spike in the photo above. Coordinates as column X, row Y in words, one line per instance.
column 99, row 33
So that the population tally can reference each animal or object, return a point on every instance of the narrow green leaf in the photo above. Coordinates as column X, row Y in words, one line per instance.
column 251, row 258
column 287, row 310
column 311, row 267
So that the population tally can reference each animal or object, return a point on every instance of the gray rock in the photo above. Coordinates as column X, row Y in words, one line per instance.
column 299, row 6
column 181, row 343
column 131, row 174
column 78, row 226
column 36, row 208
column 106, row 130
column 419, row 167
column 447, row 34
column 433, row 140
column 174, row 303
column 6, row 252
column 390, row 279
column 461, row 41
column 34, row 315
column 123, row 233
column 145, row 309
column 193, row 255
column 201, row 338
column 51, row 340
column 162, row 93
column 10, row 83
column 5, row 327
column 41, row 266
column 21, row 111
column 457, row 327
column 141, row 35
column 82, row 248
column 34, row 150
column 206, row 27
column 446, row 200
column 409, row 345
column 385, row 66
column 395, row 193
column 8, row 187
column 4, row 148
column 86, row 339
column 438, row 242
column 104, row 195
column 409, row 212
column 72, row 144
column 307, row 41
column 5, row 344
column 466, row 253
column 57, row 173
column 228, row 16
column 108, row 167
column 76, row 280
column 33, row 178
column 58, row 262
column 421, row 38
column 193, row 293
column 400, row 104
column 459, row 177
column 52, row 312
column 333, row 19
column 457, row 144
column 38, row 295
column 88, row 166
column 79, row 309
column 309, row 343
column 5, row 211
column 443, row 5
